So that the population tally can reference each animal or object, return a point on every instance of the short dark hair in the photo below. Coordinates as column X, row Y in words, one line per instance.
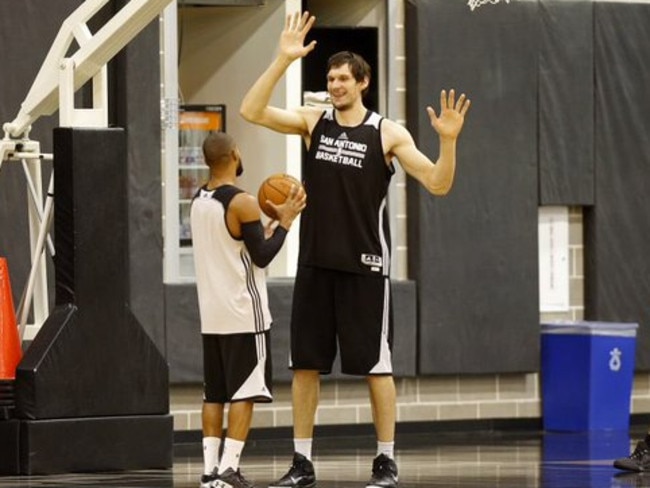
column 217, row 145
column 359, row 67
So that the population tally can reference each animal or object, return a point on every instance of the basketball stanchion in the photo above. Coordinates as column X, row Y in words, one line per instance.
column 10, row 350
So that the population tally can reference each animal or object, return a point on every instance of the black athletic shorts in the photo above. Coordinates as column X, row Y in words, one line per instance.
column 237, row 367
column 350, row 310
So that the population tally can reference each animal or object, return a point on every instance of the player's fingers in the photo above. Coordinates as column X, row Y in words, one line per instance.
column 432, row 113
column 451, row 102
column 465, row 107
column 306, row 22
column 460, row 102
column 443, row 99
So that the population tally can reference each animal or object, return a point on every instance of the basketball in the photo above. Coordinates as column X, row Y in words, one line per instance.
column 275, row 189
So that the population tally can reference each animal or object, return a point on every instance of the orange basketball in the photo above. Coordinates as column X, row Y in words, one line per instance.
column 276, row 189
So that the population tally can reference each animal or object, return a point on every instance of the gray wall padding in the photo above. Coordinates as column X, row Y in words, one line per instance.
column 474, row 252
column 566, row 103
column 617, row 265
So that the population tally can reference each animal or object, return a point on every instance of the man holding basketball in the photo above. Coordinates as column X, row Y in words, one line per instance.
column 342, row 287
column 230, row 249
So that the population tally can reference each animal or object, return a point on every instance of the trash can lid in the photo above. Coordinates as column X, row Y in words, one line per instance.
column 584, row 327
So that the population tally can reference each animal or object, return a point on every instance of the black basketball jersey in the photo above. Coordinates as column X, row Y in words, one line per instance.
column 345, row 224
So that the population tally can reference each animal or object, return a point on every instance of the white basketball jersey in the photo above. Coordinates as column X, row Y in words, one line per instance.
column 231, row 289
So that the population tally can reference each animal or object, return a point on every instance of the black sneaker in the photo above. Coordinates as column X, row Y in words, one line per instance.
column 638, row 461
column 384, row 473
column 300, row 475
column 207, row 479
column 232, row 479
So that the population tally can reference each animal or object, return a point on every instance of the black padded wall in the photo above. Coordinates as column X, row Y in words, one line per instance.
column 566, row 113
column 617, row 267
column 474, row 252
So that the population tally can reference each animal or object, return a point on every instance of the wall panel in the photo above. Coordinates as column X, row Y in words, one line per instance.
column 617, row 268
column 474, row 252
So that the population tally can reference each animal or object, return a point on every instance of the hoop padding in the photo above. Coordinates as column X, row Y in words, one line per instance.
column 92, row 367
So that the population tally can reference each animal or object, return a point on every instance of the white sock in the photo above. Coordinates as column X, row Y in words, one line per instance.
column 387, row 448
column 231, row 453
column 210, row 453
column 303, row 446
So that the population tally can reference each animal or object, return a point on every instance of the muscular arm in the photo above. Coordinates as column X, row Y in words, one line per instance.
column 255, row 106
column 436, row 177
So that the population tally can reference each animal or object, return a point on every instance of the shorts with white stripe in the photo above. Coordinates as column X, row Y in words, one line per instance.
column 353, row 310
column 237, row 367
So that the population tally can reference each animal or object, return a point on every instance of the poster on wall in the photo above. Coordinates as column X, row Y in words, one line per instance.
column 553, row 236
column 195, row 122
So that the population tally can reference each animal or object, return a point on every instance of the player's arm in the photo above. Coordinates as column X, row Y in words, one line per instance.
column 255, row 106
column 436, row 177
column 244, row 220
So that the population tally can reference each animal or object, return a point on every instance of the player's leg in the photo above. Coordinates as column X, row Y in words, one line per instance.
column 247, row 377
column 212, row 410
column 305, row 393
column 383, row 399
column 365, row 330
column 313, row 348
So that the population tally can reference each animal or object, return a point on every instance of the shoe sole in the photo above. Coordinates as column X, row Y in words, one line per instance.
column 629, row 469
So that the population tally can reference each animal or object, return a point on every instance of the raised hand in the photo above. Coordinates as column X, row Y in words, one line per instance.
column 452, row 114
column 293, row 35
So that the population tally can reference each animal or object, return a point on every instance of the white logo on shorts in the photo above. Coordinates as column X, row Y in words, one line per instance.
column 375, row 262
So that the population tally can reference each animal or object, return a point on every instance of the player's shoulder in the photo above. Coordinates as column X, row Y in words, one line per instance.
column 394, row 130
column 311, row 113
column 245, row 207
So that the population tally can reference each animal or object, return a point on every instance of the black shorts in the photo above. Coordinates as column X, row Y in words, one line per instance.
column 352, row 309
column 237, row 367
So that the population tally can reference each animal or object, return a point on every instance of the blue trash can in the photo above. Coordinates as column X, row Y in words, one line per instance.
column 587, row 373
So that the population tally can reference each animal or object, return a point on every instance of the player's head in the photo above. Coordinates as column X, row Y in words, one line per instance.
column 220, row 150
column 358, row 68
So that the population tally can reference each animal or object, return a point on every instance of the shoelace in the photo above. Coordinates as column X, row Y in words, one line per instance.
column 639, row 452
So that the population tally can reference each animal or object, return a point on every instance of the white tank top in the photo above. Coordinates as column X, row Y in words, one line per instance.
column 231, row 289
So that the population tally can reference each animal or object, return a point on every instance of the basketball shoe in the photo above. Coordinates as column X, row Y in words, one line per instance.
column 638, row 461
column 232, row 479
column 207, row 479
column 384, row 473
column 300, row 475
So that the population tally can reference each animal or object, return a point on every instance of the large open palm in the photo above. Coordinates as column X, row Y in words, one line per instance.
column 452, row 114
column 293, row 35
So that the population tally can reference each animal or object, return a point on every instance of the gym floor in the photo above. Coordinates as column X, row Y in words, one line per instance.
column 461, row 459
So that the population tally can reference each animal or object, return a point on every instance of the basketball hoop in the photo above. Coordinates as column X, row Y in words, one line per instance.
column 477, row 3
